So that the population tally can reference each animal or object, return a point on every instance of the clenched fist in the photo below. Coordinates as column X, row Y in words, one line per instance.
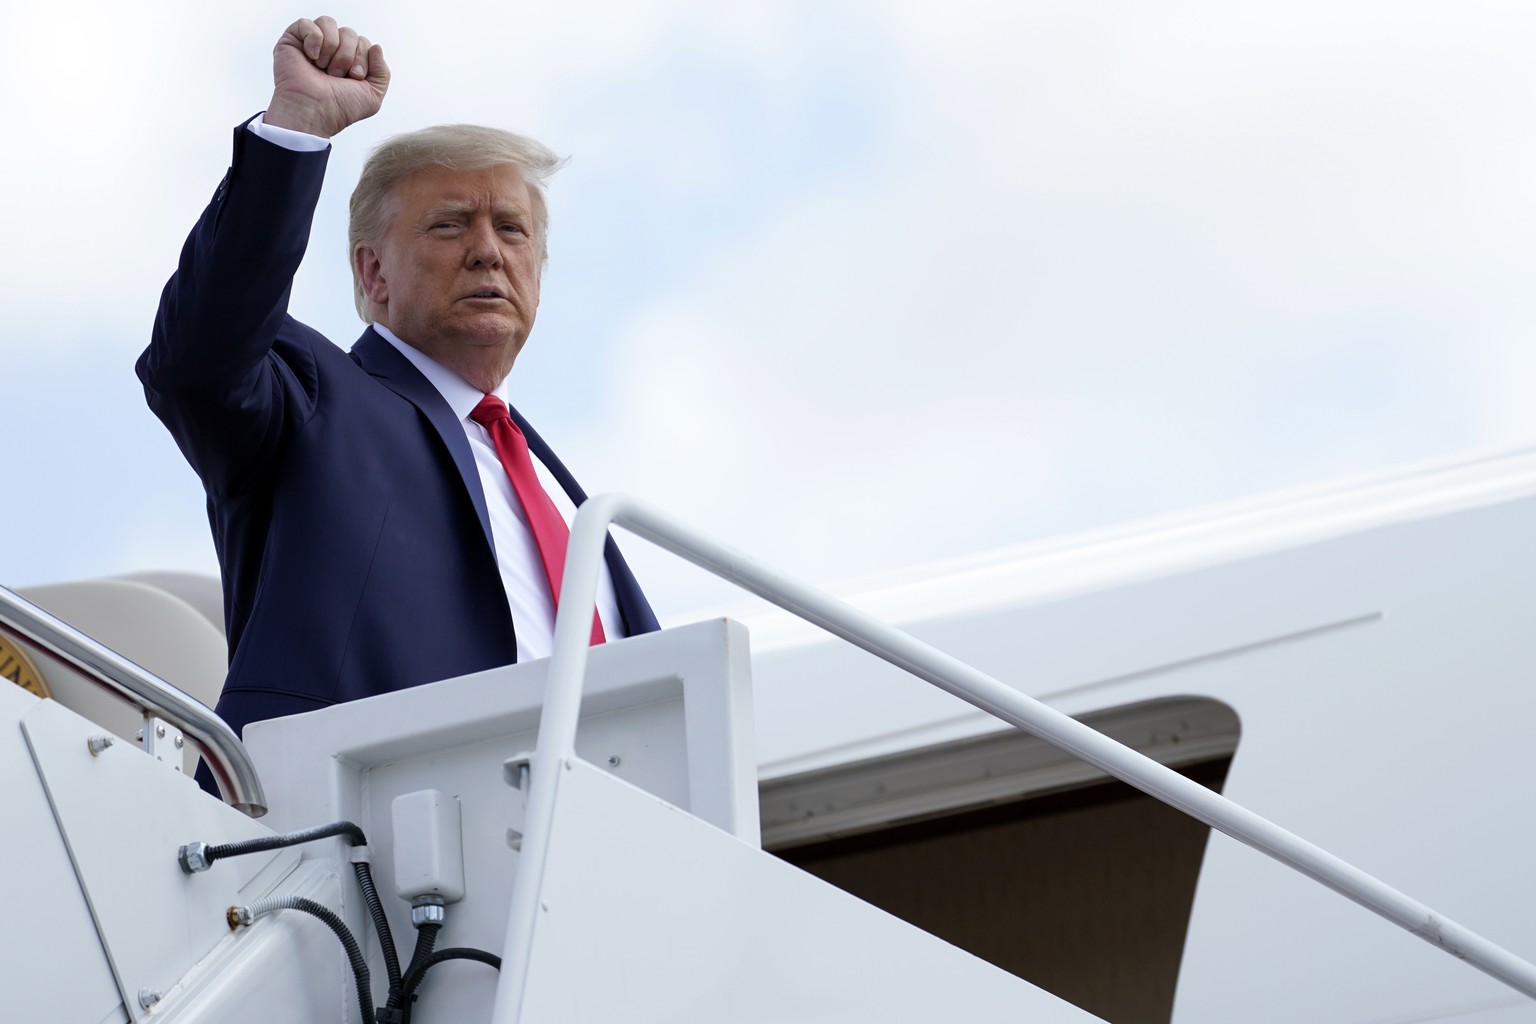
column 325, row 77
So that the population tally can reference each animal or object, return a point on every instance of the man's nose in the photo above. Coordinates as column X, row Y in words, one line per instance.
column 482, row 248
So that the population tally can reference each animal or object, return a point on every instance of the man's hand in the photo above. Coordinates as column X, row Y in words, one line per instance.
column 325, row 77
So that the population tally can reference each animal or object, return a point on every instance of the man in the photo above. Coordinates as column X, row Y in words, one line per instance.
column 374, row 525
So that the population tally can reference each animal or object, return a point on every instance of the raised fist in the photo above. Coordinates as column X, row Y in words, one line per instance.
column 325, row 77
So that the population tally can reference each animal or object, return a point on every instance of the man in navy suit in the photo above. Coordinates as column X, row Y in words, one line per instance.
column 367, row 534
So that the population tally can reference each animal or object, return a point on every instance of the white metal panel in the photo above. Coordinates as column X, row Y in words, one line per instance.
column 43, row 900
column 691, row 686
column 1014, row 615
column 1491, row 1012
column 669, row 712
column 650, row 916
column 1404, row 747
column 286, row 967
column 123, row 816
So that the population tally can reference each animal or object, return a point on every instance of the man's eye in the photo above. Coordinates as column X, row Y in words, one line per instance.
column 513, row 228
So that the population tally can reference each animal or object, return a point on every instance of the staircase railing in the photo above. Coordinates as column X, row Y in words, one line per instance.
column 152, row 696
column 557, row 731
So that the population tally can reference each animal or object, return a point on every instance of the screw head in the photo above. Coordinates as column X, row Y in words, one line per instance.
column 614, row 760
column 96, row 744
column 148, row 997
column 180, row 742
column 160, row 732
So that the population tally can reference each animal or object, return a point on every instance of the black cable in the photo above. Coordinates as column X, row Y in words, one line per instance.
column 414, row 976
column 354, row 837
column 348, row 943
column 426, row 938
column 398, row 1009
column 339, row 828
column 380, row 922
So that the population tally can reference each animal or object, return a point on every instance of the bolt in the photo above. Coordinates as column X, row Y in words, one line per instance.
column 96, row 744
column 193, row 858
column 613, row 760
column 148, row 997
column 160, row 732
column 180, row 742
column 138, row 737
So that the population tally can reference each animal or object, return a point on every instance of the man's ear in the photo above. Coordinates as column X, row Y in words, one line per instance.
column 370, row 271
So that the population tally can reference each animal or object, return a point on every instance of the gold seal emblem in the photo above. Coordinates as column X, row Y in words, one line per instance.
column 19, row 669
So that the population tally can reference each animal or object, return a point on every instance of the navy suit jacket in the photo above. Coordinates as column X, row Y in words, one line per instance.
column 347, row 512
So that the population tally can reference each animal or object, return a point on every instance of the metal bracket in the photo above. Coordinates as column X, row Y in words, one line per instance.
column 517, row 771
column 162, row 741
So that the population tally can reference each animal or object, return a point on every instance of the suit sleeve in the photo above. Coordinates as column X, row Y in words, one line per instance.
column 228, row 372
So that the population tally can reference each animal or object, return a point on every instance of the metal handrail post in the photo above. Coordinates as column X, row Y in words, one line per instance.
column 221, row 748
column 557, row 729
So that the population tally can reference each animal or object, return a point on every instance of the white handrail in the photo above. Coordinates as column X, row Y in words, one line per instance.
column 562, row 703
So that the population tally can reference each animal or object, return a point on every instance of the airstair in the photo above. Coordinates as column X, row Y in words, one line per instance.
column 586, row 827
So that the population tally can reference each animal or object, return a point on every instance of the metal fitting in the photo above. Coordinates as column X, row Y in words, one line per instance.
column 427, row 910
column 148, row 997
column 96, row 744
column 194, row 858
column 238, row 916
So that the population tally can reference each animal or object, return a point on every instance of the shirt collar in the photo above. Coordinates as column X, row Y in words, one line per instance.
column 461, row 396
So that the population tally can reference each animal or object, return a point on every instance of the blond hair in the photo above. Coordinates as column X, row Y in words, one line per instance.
column 457, row 147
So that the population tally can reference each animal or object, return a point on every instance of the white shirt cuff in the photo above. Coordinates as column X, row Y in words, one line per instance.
column 299, row 142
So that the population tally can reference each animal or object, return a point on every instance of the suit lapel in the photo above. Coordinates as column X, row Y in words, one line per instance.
column 634, row 609
column 395, row 372
column 379, row 358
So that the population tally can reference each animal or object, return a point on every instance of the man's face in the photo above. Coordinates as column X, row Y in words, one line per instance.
column 457, row 274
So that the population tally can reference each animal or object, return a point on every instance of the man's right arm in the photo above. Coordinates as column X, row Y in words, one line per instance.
column 210, row 372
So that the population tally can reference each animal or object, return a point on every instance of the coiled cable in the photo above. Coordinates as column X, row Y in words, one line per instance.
column 380, row 922
column 209, row 854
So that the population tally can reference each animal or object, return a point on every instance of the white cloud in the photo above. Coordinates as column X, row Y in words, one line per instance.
column 1108, row 266
column 856, row 284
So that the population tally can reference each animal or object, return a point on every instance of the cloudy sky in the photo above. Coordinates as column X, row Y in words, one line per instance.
column 852, row 285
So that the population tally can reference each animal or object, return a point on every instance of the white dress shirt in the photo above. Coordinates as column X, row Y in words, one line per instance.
column 517, row 555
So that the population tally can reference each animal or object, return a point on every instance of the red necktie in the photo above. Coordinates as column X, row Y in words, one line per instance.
column 549, row 530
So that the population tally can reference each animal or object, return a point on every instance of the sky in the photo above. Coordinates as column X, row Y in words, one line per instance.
column 850, row 285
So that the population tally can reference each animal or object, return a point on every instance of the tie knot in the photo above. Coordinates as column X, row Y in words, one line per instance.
column 490, row 410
